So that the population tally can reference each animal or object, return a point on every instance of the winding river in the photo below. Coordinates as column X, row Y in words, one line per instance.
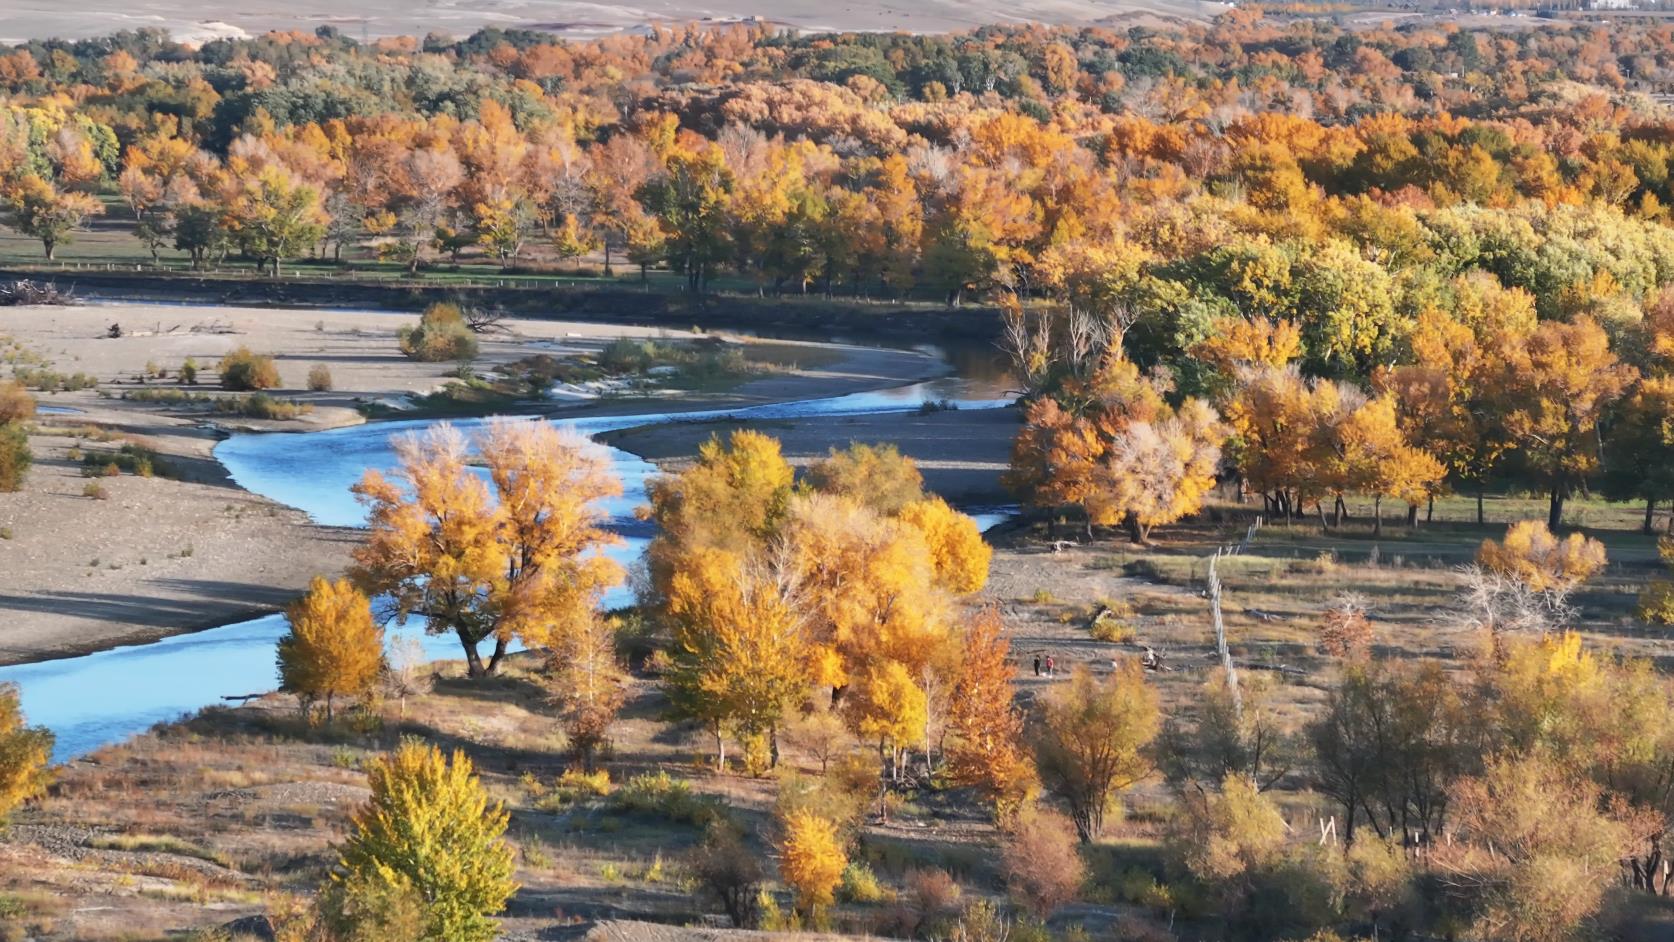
column 100, row 698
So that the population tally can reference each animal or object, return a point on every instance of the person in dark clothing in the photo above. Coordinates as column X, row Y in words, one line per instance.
column 1037, row 665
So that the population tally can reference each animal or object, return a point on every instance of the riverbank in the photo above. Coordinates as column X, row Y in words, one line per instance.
column 96, row 562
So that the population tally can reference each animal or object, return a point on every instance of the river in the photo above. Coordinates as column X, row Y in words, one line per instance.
column 96, row 699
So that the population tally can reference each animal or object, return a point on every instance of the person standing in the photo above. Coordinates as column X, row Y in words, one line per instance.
column 1051, row 665
column 1037, row 665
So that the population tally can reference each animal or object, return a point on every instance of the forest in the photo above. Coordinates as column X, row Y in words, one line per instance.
column 1266, row 266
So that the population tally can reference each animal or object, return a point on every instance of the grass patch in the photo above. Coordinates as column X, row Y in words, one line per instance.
column 156, row 844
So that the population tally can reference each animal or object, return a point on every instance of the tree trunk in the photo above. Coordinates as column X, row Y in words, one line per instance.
column 720, row 749
column 1650, row 515
column 1555, row 513
column 1412, row 516
column 1481, row 521
column 1377, row 515
column 1430, row 510
column 473, row 660
column 500, row 645
column 50, row 247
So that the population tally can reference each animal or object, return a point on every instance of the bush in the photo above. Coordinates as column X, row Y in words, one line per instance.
column 319, row 378
column 1114, row 623
column 93, row 490
column 16, row 405
column 130, row 458
column 860, row 885
column 15, row 456
column 243, row 370
column 728, row 871
column 188, row 373
column 625, row 355
column 1043, row 870
column 660, row 795
column 442, row 334
column 261, row 406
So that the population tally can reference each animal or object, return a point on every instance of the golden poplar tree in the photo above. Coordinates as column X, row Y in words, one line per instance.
column 334, row 646
column 986, row 751
column 514, row 555
column 1094, row 735
column 25, row 753
column 959, row 556
column 811, row 859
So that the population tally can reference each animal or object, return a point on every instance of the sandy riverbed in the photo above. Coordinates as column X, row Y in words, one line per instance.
column 160, row 556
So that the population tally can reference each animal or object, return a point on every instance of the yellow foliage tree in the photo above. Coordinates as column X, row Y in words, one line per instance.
column 811, row 860
column 886, row 705
column 878, row 476
column 741, row 655
column 1093, row 740
column 25, row 753
column 958, row 554
column 511, row 556
column 334, row 646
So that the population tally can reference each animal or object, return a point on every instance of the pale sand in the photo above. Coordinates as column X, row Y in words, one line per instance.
column 79, row 574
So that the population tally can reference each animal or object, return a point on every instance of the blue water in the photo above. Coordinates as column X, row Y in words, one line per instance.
column 100, row 698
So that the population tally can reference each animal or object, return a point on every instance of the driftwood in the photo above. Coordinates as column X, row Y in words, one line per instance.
column 243, row 697
column 25, row 291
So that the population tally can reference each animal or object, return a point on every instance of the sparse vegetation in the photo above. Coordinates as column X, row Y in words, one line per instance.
column 244, row 371
column 441, row 335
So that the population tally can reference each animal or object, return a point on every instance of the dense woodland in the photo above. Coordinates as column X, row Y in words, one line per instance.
column 1310, row 263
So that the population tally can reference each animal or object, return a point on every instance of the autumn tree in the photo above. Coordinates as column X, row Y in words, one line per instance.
column 987, row 747
column 1560, row 382
column 1539, row 853
column 25, row 753
column 429, row 828
column 1093, row 739
column 811, row 860
column 333, row 645
column 959, row 556
column 272, row 215
column 741, row 645
column 587, row 685
column 1531, row 555
column 510, row 554
column 878, row 476
column 37, row 208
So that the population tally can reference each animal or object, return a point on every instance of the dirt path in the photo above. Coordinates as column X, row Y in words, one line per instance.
column 156, row 556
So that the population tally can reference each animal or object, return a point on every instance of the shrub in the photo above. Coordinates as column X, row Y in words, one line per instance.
column 15, row 456
column 94, row 490
column 188, row 374
column 625, row 355
column 728, row 871
column 242, row 370
column 1114, row 623
column 860, row 884
column 261, row 406
column 16, row 405
column 319, row 378
column 130, row 458
column 1043, row 870
column 442, row 334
